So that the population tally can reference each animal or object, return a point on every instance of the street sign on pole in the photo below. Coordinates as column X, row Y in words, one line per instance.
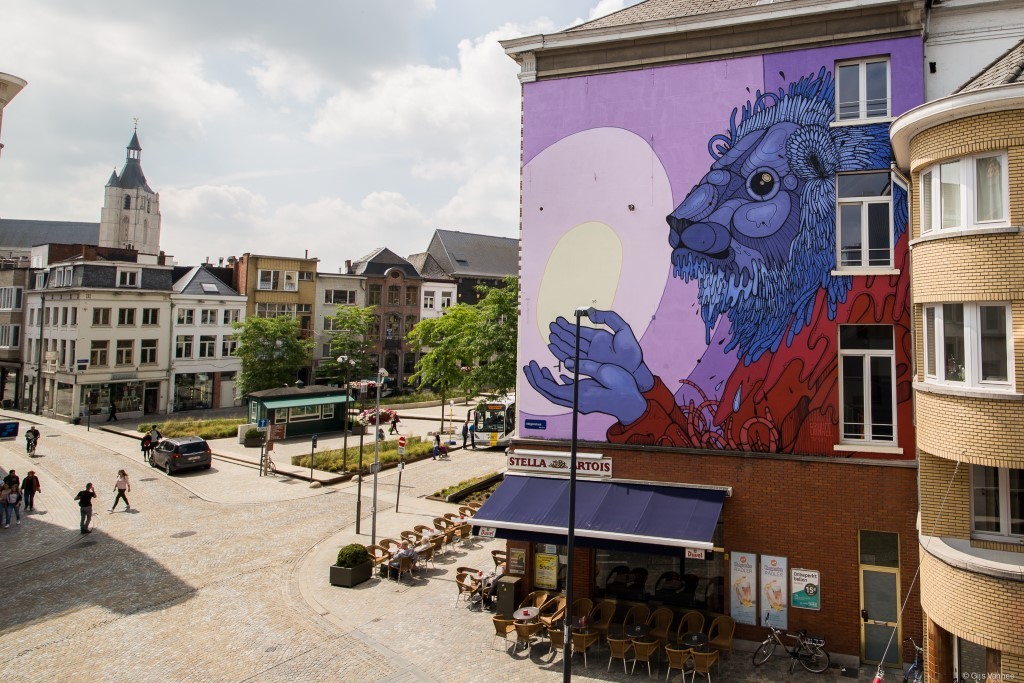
column 401, row 445
column 262, row 424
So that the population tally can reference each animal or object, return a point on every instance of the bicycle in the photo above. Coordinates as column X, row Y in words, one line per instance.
column 808, row 650
column 268, row 465
column 915, row 672
column 30, row 447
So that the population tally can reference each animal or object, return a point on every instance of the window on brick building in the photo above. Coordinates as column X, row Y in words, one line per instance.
column 968, row 344
column 997, row 502
column 970, row 192
column 373, row 295
column 867, row 387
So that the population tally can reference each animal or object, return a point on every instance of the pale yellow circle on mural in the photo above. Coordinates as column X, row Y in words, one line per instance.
column 583, row 271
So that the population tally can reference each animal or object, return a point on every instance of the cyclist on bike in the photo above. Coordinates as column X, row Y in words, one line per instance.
column 31, row 439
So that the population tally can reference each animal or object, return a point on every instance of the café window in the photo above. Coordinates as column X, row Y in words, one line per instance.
column 549, row 566
column 671, row 579
column 303, row 413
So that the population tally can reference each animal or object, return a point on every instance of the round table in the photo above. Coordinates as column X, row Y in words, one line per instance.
column 637, row 631
column 526, row 614
column 694, row 640
column 579, row 626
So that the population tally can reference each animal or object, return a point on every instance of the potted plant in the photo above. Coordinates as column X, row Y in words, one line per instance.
column 252, row 438
column 354, row 565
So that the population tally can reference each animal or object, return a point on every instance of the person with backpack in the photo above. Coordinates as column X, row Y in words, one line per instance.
column 146, row 445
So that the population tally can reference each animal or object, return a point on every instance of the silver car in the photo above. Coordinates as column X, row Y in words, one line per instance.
column 181, row 453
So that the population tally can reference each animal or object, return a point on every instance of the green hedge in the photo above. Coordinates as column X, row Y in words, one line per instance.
column 223, row 428
column 331, row 460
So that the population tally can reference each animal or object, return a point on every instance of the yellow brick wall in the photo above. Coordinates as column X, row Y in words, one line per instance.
column 980, row 431
column 980, row 608
column 952, row 519
column 1013, row 666
column 983, row 267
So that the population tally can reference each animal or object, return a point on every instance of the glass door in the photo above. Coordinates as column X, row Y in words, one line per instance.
column 880, row 598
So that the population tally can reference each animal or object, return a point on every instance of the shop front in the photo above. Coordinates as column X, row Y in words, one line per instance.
column 758, row 538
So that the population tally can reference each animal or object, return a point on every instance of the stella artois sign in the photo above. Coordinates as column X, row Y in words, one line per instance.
column 558, row 463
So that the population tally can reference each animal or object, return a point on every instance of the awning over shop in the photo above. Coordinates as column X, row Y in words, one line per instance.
column 649, row 514
column 309, row 401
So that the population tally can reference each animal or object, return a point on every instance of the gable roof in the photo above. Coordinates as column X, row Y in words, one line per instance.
column 654, row 10
column 467, row 254
column 25, row 234
column 380, row 261
column 1007, row 69
column 428, row 267
column 199, row 281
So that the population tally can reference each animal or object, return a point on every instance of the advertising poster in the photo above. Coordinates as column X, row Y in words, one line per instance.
column 774, row 591
column 546, row 575
column 806, row 589
column 517, row 561
column 743, row 579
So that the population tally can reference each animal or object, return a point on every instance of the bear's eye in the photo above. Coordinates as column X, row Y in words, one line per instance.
column 762, row 184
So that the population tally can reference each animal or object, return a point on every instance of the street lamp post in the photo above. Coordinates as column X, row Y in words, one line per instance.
column 381, row 374
column 571, row 541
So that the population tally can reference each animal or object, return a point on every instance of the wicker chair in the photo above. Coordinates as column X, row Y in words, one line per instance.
column 702, row 662
column 422, row 529
column 451, row 517
column 602, row 616
column 466, row 511
column 475, row 506
column 535, row 599
column 378, row 554
column 582, row 608
column 637, row 614
column 556, row 640
column 643, row 651
column 503, row 628
column 410, row 536
column 467, row 588
column 552, row 611
column 500, row 557
column 465, row 532
column 660, row 622
column 581, row 642
column 427, row 555
column 677, row 660
column 389, row 544
column 526, row 632
column 437, row 543
column 720, row 633
column 691, row 622
column 441, row 524
column 619, row 649
column 401, row 565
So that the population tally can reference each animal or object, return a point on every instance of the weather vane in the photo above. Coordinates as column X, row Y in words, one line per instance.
column 136, row 120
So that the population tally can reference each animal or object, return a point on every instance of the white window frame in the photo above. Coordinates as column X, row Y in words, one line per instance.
column 41, row 280
column 446, row 299
column 1005, row 534
column 207, row 346
column 150, row 316
column 101, row 317
column 931, row 196
column 129, row 277
column 124, row 352
column 303, row 413
column 867, row 355
column 230, row 316
column 428, row 299
column 183, row 346
column 934, row 346
column 267, row 279
column 148, row 351
column 328, row 323
column 186, row 316
column 10, row 298
column 305, row 276
column 208, row 316
column 228, row 346
column 98, row 350
column 10, row 336
column 862, row 74
column 126, row 317
column 864, row 202
column 290, row 283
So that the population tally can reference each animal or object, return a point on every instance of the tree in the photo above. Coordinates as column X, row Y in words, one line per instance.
column 493, row 337
column 272, row 351
column 441, row 366
column 350, row 339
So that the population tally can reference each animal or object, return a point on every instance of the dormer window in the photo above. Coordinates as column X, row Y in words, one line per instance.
column 127, row 278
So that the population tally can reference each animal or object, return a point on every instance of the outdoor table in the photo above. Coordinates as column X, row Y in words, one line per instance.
column 526, row 614
column 582, row 624
column 637, row 631
column 694, row 640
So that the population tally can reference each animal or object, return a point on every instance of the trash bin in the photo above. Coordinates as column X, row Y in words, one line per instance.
column 508, row 591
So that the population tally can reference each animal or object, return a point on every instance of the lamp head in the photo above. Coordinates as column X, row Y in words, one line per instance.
column 383, row 373
column 583, row 312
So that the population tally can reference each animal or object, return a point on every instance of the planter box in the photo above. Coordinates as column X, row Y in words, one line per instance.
column 252, row 443
column 343, row 576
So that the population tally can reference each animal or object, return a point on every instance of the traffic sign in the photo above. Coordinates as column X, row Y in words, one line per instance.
column 262, row 425
column 401, row 441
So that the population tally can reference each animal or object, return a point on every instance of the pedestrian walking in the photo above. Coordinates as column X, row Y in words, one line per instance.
column 147, row 445
column 154, row 438
column 10, row 495
column 112, row 412
column 121, row 487
column 29, row 488
column 437, row 445
column 84, row 498
column 394, row 424
column 380, row 434
column 465, row 432
column 12, row 478
column 472, row 434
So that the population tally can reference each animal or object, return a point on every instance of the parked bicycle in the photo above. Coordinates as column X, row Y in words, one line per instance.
column 915, row 672
column 808, row 650
column 268, row 465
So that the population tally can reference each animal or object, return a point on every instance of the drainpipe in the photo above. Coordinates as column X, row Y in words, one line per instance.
column 39, row 356
column 169, row 406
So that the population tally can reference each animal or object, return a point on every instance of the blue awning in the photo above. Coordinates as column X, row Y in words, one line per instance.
column 674, row 516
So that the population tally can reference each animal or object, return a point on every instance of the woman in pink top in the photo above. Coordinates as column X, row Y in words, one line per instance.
column 121, row 487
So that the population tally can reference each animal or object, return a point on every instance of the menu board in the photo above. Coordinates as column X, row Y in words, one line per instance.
column 546, row 571
column 743, row 581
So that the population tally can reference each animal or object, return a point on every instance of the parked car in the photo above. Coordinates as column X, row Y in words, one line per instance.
column 181, row 453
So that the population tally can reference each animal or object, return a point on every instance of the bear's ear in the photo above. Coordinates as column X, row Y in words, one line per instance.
column 812, row 153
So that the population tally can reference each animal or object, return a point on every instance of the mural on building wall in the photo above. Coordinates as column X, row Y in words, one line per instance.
column 735, row 347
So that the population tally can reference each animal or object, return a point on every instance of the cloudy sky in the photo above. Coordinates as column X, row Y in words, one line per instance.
column 335, row 126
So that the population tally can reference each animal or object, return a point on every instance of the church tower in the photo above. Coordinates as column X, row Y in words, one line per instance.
column 131, row 210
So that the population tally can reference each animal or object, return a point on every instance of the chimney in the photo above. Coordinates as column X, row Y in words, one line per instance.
column 220, row 262
column 348, row 267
